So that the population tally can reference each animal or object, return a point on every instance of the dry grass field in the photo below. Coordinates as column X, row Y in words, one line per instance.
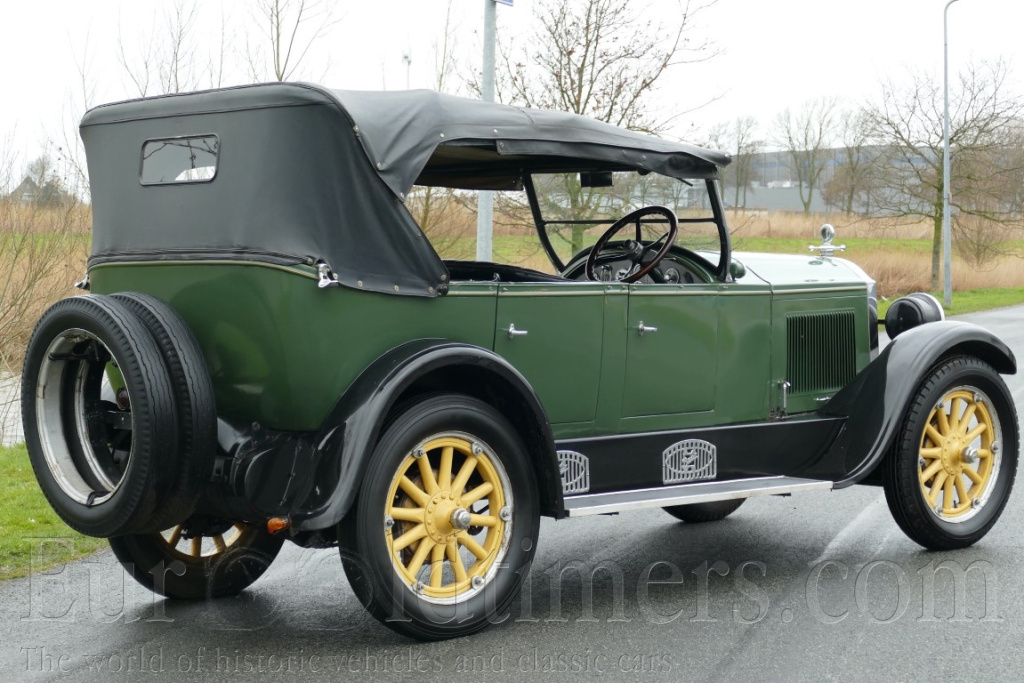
column 898, row 256
column 42, row 254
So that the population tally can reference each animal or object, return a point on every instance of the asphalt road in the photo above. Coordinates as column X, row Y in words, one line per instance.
column 821, row 586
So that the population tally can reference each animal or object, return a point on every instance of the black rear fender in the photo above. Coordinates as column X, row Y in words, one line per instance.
column 351, row 431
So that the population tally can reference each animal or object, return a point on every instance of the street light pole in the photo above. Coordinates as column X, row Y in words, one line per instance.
column 485, row 199
column 947, row 239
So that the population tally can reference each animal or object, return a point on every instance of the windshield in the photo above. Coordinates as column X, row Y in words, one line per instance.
column 574, row 216
column 573, row 210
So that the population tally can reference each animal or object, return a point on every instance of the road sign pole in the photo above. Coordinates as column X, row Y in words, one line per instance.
column 485, row 199
column 947, row 247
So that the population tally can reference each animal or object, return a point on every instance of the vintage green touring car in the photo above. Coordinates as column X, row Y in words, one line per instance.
column 272, row 349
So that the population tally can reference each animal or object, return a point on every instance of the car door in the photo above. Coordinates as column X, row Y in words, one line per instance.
column 671, row 358
column 553, row 334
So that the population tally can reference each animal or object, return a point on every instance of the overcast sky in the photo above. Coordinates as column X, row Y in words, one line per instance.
column 774, row 54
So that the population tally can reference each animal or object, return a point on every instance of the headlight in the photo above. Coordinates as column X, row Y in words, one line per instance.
column 910, row 311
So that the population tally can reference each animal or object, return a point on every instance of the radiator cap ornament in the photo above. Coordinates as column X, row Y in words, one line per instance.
column 826, row 249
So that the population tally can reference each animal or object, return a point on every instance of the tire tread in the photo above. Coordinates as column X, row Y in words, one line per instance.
column 195, row 403
column 153, row 411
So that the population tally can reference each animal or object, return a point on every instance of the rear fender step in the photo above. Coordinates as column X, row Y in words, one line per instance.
column 686, row 494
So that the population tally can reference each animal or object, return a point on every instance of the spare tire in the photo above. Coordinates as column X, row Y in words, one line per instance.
column 193, row 397
column 100, row 421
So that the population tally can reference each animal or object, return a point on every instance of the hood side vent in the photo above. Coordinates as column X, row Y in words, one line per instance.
column 821, row 351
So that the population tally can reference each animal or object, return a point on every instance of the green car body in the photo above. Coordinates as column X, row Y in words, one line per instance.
column 281, row 352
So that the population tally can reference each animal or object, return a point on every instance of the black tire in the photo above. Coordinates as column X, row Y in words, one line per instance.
column 114, row 458
column 168, row 564
column 705, row 512
column 490, row 583
column 194, row 400
column 908, row 476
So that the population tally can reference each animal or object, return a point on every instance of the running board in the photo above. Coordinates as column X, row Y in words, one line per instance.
column 685, row 494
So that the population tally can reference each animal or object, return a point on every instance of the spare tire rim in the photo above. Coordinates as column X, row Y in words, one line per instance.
column 960, row 454
column 448, row 517
column 83, row 414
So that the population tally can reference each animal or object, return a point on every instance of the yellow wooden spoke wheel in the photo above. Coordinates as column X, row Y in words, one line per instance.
column 443, row 532
column 950, row 470
column 207, row 545
column 216, row 558
column 959, row 454
column 448, row 517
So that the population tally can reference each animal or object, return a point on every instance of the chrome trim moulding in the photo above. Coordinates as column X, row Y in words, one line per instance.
column 548, row 293
column 685, row 494
column 294, row 270
column 675, row 292
column 796, row 289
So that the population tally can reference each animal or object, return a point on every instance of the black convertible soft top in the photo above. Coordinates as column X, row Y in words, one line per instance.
column 304, row 173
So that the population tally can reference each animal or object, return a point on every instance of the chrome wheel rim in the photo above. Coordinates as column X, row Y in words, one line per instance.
column 86, row 438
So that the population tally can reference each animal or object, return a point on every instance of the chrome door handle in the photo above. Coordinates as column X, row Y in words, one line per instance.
column 513, row 332
column 644, row 329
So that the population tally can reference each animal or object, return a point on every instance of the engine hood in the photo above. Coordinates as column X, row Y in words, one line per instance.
column 784, row 271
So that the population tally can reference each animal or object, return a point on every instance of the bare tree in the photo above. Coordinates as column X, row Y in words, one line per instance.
column 138, row 65
column 986, row 162
column 806, row 137
column 848, row 186
column 47, row 182
column 216, row 60
column 178, row 71
column 745, row 145
column 596, row 58
column 441, row 212
column 40, row 170
column 43, row 247
column 70, row 153
column 291, row 28
column 718, row 136
column 739, row 139
column 165, row 59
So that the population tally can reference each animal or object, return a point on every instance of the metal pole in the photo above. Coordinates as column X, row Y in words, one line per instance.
column 947, row 237
column 485, row 199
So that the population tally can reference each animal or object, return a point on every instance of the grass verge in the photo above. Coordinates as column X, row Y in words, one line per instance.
column 32, row 536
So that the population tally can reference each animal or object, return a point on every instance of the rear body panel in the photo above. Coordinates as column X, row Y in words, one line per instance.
column 280, row 350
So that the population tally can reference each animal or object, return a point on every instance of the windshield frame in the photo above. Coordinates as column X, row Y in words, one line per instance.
column 722, row 272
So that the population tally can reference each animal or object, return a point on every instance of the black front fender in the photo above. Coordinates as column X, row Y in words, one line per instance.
column 351, row 430
column 875, row 402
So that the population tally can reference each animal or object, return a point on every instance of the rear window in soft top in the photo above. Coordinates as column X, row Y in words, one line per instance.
column 169, row 161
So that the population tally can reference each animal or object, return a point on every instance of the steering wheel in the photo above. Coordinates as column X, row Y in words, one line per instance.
column 635, row 250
